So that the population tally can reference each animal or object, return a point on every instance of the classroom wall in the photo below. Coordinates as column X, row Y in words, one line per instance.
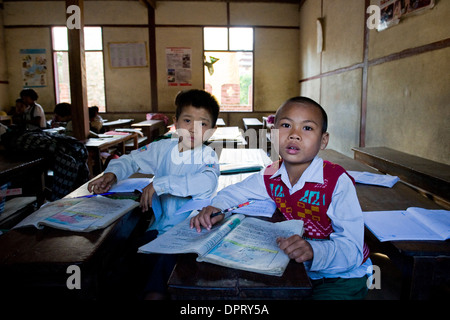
column 178, row 24
column 407, row 93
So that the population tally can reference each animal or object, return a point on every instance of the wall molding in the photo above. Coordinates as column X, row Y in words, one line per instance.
column 442, row 44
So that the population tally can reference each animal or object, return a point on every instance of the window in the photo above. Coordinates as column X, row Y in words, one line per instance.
column 93, row 46
column 228, row 59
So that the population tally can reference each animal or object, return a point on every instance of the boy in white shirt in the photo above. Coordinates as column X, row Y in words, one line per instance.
column 34, row 113
column 320, row 193
column 183, row 168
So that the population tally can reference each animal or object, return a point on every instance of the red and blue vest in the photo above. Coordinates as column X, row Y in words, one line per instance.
column 309, row 204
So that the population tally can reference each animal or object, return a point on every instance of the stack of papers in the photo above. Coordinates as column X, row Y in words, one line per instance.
column 383, row 180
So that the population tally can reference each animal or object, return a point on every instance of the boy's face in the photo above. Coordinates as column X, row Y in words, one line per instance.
column 194, row 126
column 300, row 133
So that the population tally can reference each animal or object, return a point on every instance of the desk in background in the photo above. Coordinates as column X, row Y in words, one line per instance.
column 151, row 128
column 96, row 145
column 424, row 264
column 26, row 172
column 431, row 176
column 252, row 123
column 227, row 137
column 111, row 125
column 220, row 122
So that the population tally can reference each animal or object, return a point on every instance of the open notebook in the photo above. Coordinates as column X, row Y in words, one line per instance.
column 411, row 224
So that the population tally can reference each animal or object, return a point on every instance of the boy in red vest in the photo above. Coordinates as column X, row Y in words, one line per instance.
column 320, row 193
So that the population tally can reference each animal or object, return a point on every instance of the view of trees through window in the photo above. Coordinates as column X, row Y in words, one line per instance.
column 228, row 60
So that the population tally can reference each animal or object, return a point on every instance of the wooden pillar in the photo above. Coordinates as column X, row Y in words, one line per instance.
column 152, row 50
column 77, row 71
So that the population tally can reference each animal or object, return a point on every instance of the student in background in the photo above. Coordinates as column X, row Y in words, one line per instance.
column 183, row 168
column 95, row 120
column 18, row 115
column 320, row 193
column 34, row 113
column 63, row 117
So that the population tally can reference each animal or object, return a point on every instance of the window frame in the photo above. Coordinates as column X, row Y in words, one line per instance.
column 55, row 66
column 229, row 50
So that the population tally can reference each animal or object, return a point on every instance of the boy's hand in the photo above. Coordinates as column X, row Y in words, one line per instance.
column 103, row 183
column 146, row 197
column 203, row 218
column 296, row 248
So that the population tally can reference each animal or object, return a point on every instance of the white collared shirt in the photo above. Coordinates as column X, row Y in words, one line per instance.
column 342, row 254
column 178, row 177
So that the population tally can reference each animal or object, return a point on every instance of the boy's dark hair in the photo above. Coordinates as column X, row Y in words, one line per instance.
column 63, row 109
column 198, row 99
column 309, row 101
column 93, row 111
column 29, row 93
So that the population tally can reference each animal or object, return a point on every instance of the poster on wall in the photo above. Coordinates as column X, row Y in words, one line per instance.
column 392, row 11
column 34, row 67
column 179, row 69
column 128, row 54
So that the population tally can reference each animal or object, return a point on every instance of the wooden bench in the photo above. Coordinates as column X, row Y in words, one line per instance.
column 431, row 176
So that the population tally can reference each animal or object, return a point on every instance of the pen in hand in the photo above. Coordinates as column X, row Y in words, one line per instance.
column 215, row 214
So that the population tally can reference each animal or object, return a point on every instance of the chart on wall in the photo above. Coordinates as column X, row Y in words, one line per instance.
column 128, row 54
column 34, row 67
column 179, row 69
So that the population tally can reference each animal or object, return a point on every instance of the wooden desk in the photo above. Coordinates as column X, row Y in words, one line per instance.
column 96, row 145
column 431, row 176
column 26, row 172
column 424, row 263
column 227, row 137
column 34, row 262
column 110, row 125
column 220, row 122
column 151, row 128
column 200, row 280
column 252, row 123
